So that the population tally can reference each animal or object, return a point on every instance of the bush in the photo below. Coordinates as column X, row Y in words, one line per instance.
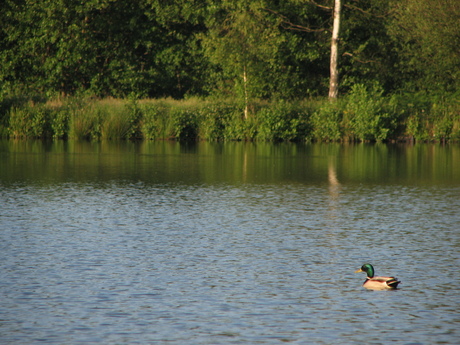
column 152, row 123
column 184, row 124
column 214, row 118
column 239, row 128
column 29, row 122
column 430, row 117
column 326, row 122
column 365, row 114
column 365, row 117
column 60, row 124
column 445, row 115
column 414, row 115
column 282, row 121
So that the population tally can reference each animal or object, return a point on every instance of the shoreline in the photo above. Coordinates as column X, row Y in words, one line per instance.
column 358, row 117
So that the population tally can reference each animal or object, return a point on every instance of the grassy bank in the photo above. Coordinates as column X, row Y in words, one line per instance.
column 363, row 115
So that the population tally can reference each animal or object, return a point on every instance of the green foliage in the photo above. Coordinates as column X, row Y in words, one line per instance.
column 426, row 38
column 5, row 105
column 184, row 124
column 84, row 123
column 84, row 118
column 119, row 122
column 367, row 50
column 214, row 117
column 432, row 118
column 153, row 122
column 29, row 122
column 243, row 43
column 248, row 50
column 60, row 124
column 326, row 121
column 365, row 117
column 188, row 120
column 239, row 128
column 109, row 48
column 445, row 114
column 282, row 121
column 415, row 108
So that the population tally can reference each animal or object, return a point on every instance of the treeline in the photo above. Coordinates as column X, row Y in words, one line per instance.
column 252, row 52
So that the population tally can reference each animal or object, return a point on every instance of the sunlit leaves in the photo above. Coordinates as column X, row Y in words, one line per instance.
column 243, row 48
column 428, row 37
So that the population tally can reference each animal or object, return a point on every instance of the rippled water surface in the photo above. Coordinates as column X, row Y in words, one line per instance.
column 138, row 243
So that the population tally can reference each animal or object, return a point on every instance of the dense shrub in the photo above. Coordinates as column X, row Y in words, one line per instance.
column 239, row 128
column 214, row 118
column 326, row 122
column 60, row 124
column 31, row 121
column 428, row 117
column 184, row 124
column 282, row 121
column 445, row 115
column 153, row 122
column 364, row 115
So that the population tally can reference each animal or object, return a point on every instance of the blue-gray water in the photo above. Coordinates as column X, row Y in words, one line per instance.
column 233, row 243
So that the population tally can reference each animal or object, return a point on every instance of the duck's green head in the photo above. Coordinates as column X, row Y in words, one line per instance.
column 368, row 269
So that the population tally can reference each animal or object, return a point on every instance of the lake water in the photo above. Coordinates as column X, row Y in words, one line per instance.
column 227, row 243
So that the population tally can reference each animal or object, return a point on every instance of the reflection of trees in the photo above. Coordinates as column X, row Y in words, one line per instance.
column 245, row 165
column 332, row 215
column 334, row 187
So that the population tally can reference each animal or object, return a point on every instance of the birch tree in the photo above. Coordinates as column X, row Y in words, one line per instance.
column 243, row 44
column 334, row 73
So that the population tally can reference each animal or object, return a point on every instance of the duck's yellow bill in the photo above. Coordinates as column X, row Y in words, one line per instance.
column 360, row 270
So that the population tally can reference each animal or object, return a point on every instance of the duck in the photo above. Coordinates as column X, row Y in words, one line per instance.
column 377, row 283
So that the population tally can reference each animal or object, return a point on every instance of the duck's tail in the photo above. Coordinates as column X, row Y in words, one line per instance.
column 393, row 283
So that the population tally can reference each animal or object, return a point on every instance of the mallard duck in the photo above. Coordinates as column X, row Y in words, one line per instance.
column 377, row 283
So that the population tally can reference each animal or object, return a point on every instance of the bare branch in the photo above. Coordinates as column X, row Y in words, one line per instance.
column 367, row 12
column 287, row 24
column 328, row 8
column 355, row 58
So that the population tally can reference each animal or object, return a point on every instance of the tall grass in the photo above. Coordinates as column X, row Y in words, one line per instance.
column 120, row 121
column 365, row 114
column 106, row 119
column 84, row 120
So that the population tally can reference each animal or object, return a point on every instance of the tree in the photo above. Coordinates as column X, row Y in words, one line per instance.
column 176, row 54
column 242, row 42
column 427, row 35
column 106, row 48
column 334, row 39
column 367, row 51
column 68, row 45
column 334, row 73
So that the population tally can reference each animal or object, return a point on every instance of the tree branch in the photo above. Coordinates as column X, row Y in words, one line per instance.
column 287, row 24
column 351, row 7
column 328, row 8
column 355, row 58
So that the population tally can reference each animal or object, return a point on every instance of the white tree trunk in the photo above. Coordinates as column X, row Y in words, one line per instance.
column 334, row 78
column 246, row 96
